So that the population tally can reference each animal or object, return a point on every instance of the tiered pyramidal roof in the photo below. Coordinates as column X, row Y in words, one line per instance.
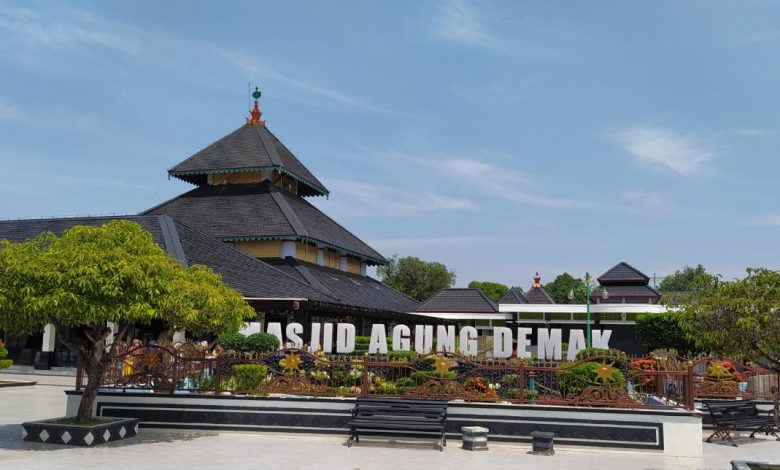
column 251, row 188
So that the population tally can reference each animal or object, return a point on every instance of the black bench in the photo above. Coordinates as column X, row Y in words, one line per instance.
column 733, row 415
column 398, row 415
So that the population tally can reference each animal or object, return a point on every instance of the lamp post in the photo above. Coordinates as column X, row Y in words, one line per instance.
column 590, row 283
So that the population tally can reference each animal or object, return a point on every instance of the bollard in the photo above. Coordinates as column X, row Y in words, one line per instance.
column 542, row 443
column 474, row 437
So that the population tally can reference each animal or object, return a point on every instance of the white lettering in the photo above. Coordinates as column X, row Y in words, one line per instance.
column 576, row 344
column 502, row 342
column 600, row 338
column 292, row 331
column 549, row 343
column 378, row 342
column 445, row 338
column 523, row 342
column 345, row 338
column 276, row 330
column 468, row 341
column 327, row 337
column 401, row 338
column 423, row 338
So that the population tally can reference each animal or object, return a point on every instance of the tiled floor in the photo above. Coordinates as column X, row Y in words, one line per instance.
column 180, row 450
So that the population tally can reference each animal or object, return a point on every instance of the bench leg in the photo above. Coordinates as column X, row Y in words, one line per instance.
column 352, row 437
column 724, row 433
column 769, row 430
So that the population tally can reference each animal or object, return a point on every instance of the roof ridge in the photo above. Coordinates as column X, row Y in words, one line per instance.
column 288, row 212
column 273, row 154
column 310, row 278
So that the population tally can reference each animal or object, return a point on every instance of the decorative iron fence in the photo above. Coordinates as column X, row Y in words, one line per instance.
column 609, row 381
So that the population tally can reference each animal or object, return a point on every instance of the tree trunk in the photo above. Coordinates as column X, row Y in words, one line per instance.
column 95, row 370
column 776, row 398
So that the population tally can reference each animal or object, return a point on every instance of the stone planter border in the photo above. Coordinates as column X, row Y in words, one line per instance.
column 48, row 431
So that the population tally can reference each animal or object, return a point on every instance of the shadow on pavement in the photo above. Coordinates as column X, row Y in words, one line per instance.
column 11, row 439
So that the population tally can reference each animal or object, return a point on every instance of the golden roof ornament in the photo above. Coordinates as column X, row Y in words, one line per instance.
column 537, row 281
column 255, row 113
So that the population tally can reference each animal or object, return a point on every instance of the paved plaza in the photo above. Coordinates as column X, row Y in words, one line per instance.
column 190, row 449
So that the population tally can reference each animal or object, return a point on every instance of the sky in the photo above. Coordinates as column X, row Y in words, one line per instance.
column 499, row 138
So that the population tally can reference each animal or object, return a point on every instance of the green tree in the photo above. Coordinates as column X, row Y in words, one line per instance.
column 4, row 363
column 115, row 273
column 739, row 318
column 563, row 284
column 416, row 278
column 493, row 290
column 682, row 281
column 663, row 331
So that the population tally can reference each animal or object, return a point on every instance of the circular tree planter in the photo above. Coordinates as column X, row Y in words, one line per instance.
column 66, row 431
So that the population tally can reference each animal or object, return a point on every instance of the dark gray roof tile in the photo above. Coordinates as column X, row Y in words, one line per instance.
column 458, row 300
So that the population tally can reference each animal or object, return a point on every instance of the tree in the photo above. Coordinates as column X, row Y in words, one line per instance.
column 115, row 273
column 563, row 284
column 493, row 290
column 682, row 281
column 4, row 363
column 416, row 278
column 663, row 331
column 739, row 318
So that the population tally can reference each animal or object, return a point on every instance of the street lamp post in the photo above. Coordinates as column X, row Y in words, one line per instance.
column 590, row 283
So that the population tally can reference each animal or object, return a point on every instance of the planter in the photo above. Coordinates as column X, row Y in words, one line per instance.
column 744, row 465
column 54, row 431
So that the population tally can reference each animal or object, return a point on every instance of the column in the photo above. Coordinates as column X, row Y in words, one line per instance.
column 45, row 358
column 321, row 256
column 288, row 248
column 343, row 263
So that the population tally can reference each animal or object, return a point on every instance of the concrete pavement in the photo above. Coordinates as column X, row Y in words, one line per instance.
column 231, row 450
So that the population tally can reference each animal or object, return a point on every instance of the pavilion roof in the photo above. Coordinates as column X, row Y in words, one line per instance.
column 248, row 148
column 261, row 211
column 623, row 274
column 458, row 300
column 513, row 296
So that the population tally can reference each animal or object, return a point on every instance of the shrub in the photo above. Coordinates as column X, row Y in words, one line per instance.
column 509, row 380
column 663, row 331
column 402, row 356
column 248, row 376
column 421, row 376
column 4, row 363
column 261, row 342
column 232, row 341
column 573, row 380
column 531, row 394
column 592, row 352
column 512, row 394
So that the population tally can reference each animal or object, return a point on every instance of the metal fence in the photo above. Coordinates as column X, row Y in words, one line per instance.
column 608, row 381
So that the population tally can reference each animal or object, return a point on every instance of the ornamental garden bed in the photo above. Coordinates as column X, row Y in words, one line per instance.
column 66, row 431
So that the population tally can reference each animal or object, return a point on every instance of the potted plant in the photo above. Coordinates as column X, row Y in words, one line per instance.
column 91, row 276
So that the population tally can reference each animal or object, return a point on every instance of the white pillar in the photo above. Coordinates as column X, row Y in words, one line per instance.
column 288, row 248
column 266, row 175
column 49, row 338
column 363, row 268
column 343, row 263
column 179, row 336
column 114, row 330
column 321, row 256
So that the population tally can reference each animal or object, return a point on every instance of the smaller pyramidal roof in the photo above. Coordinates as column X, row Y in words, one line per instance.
column 623, row 274
column 251, row 147
column 513, row 296
column 458, row 300
column 536, row 294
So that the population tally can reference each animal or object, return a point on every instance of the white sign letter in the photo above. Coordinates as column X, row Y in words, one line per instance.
column 314, row 340
column 468, row 341
column 378, row 342
column 523, row 341
column 401, row 338
column 600, row 338
column 292, row 331
column 327, row 337
column 549, row 343
column 445, row 338
column 502, row 342
column 345, row 338
column 276, row 330
column 423, row 338
column 576, row 344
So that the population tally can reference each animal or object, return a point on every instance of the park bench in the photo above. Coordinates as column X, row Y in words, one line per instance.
column 734, row 415
column 378, row 414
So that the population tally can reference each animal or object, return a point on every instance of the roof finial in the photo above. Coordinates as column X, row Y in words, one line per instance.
column 255, row 113
column 537, row 281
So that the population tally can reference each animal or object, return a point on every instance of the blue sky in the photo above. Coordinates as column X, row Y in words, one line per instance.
column 500, row 138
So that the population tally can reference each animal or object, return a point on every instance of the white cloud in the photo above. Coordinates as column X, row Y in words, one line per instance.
column 768, row 220
column 753, row 132
column 390, row 244
column 681, row 153
column 458, row 22
column 357, row 199
column 12, row 112
column 645, row 198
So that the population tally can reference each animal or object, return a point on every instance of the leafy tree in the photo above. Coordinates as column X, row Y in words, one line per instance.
column 563, row 284
column 493, row 290
column 739, row 318
column 663, row 331
column 416, row 278
column 682, row 281
column 115, row 273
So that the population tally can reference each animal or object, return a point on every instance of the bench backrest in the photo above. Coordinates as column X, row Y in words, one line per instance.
column 731, row 410
column 395, row 409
